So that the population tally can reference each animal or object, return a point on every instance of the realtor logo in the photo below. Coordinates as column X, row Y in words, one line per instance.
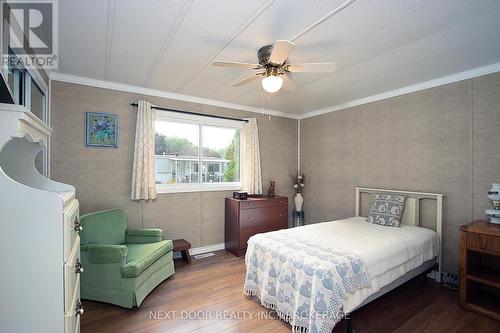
column 30, row 34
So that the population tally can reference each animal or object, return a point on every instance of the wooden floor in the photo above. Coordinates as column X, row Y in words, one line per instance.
column 213, row 287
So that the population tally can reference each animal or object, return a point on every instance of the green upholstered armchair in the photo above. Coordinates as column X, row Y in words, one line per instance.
column 121, row 266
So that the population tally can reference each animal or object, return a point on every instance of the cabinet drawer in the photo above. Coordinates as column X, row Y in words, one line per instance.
column 71, row 222
column 245, row 234
column 71, row 318
column 271, row 217
column 77, row 325
column 71, row 274
column 249, row 204
column 483, row 242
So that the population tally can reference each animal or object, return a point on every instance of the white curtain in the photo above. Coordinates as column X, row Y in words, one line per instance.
column 251, row 176
column 143, row 171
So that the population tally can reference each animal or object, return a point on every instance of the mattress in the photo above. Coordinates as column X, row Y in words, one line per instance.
column 388, row 252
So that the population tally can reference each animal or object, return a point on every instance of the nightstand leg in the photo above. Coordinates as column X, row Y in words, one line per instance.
column 463, row 269
column 186, row 256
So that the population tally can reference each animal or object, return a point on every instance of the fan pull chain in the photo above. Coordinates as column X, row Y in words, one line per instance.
column 262, row 101
column 269, row 107
column 263, row 105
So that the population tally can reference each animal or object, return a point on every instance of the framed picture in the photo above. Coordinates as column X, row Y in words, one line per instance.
column 101, row 130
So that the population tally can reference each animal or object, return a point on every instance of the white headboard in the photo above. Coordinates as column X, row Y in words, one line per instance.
column 411, row 212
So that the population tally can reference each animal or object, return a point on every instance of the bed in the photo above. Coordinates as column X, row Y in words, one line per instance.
column 313, row 275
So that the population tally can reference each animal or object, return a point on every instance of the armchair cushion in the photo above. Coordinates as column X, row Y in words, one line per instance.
column 141, row 256
column 141, row 236
column 105, row 254
column 104, row 227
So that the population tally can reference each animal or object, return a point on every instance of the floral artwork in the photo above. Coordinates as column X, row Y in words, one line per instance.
column 101, row 129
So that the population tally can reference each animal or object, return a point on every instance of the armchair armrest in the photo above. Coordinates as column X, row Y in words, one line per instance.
column 105, row 254
column 142, row 236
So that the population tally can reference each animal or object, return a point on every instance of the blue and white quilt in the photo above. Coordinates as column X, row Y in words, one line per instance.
column 303, row 281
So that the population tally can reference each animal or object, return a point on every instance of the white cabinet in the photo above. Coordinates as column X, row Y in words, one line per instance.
column 39, row 242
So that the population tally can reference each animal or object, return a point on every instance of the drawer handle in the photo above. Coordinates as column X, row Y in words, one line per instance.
column 78, row 309
column 250, row 203
column 249, row 217
column 76, row 225
column 78, row 267
column 484, row 241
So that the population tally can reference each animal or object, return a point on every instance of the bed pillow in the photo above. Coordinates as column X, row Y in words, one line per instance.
column 387, row 209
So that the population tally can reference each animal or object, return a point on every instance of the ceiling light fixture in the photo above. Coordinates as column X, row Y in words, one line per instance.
column 272, row 82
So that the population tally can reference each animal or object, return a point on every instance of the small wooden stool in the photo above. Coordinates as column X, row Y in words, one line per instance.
column 183, row 246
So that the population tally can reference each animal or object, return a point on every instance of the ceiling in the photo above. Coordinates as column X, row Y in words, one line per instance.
column 378, row 45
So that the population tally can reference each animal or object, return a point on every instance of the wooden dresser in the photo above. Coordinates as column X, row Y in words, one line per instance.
column 245, row 218
column 480, row 268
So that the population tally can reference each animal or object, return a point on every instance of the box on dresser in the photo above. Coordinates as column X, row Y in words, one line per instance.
column 257, row 214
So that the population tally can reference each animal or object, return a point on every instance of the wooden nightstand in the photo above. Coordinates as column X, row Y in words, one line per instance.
column 480, row 268
column 183, row 246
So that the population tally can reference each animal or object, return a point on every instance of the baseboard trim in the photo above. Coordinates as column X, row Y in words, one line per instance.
column 205, row 249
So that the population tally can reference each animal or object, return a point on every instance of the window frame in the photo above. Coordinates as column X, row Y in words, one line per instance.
column 200, row 121
column 22, row 96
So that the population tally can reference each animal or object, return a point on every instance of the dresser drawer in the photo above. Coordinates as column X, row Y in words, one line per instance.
column 71, row 318
column 72, row 271
column 483, row 242
column 270, row 217
column 71, row 224
column 245, row 234
column 249, row 204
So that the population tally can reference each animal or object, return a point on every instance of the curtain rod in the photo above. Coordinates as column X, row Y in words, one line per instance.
column 194, row 113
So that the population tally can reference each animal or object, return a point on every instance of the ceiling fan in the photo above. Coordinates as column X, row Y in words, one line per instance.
column 274, row 68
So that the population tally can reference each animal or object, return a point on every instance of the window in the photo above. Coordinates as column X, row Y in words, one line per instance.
column 37, row 100
column 29, row 89
column 196, row 153
column 15, row 78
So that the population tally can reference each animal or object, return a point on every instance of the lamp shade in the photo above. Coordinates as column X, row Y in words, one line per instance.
column 272, row 83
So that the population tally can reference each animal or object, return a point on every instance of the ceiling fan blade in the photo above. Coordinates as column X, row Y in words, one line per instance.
column 318, row 67
column 281, row 51
column 288, row 83
column 235, row 64
column 247, row 80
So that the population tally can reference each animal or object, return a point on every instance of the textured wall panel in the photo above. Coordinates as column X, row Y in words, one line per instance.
column 102, row 177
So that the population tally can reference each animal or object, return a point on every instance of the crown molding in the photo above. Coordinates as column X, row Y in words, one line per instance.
column 56, row 76
column 480, row 71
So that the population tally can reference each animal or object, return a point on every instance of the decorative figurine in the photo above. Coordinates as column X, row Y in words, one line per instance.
column 272, row 188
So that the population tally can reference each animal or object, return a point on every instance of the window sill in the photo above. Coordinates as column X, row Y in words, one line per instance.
column 162, row 189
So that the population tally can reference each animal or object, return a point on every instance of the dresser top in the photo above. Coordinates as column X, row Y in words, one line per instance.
column 260, row 198
column 482, row 227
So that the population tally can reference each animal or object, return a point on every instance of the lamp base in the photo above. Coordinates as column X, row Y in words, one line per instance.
column 493, row 215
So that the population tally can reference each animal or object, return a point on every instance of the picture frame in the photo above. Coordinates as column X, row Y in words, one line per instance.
column 101, row 130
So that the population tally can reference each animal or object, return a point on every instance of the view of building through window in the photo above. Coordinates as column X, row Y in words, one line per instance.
column 178, row 154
